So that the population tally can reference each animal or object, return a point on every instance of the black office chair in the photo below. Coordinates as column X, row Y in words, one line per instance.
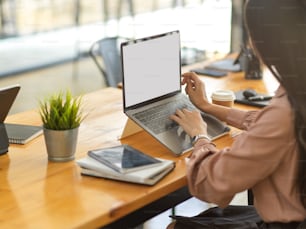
column 106, row 55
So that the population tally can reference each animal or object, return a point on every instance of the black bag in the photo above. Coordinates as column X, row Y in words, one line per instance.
column 231, row 217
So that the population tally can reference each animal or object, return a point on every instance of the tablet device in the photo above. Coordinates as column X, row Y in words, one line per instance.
column 123, row 158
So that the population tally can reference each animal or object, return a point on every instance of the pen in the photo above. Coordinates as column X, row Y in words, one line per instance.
column 260, row 98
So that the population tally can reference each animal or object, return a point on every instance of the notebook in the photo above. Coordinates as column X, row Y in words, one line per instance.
column 22, row 134
column 241, row 99
column 152, row 90
column 150, row 176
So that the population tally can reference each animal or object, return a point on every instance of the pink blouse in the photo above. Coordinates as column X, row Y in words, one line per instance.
column 263, row 157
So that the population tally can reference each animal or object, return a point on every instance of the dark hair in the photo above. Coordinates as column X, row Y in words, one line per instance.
column 277, row 29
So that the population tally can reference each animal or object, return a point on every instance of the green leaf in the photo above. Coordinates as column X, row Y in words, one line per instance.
column 61, row 111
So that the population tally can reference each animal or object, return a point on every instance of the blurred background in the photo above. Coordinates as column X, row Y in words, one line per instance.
column 44, row 44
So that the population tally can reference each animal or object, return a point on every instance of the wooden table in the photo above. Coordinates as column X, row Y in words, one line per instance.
column 36, row 193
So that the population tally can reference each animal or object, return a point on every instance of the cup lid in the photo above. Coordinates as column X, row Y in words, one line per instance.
column 223, row 95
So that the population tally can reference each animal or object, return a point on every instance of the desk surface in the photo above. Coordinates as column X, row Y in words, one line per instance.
column 36, row 193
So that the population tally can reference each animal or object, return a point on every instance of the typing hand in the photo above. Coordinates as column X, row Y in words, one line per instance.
column 190, row 121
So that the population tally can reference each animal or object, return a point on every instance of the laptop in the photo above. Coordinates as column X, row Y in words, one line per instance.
column 7, row 98
column 152, row 90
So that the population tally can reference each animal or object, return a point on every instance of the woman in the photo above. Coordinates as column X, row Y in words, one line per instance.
column 269, row 157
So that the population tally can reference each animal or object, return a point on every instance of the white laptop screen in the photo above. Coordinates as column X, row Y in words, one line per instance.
column 151, row 68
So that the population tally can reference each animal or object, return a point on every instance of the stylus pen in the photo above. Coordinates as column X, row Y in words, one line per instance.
column 260, row 98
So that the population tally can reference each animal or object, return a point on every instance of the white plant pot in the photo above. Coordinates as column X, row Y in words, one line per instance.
column 61, row 144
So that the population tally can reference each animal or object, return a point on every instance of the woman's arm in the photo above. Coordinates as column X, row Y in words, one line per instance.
column 195, row 89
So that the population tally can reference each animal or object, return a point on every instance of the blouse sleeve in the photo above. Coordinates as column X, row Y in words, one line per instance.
column 241, row 119
column 215, row 176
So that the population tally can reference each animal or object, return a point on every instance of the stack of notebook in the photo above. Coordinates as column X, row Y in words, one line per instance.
column 125, row 163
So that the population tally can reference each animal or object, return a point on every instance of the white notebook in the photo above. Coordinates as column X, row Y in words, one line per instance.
column 149, row 176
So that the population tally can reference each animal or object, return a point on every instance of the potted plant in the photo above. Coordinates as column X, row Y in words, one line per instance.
column 61, row 115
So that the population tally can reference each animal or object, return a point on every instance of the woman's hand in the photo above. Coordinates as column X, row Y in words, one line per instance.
column 190, row 121
column 195, row 89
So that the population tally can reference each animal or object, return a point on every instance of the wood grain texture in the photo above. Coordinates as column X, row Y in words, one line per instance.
column 36, row 193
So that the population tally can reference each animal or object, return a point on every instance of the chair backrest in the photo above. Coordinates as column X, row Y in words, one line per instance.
column 106, row 55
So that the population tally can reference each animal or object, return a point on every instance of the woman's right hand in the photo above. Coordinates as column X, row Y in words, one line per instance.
column 191, row 121
column 195, row 89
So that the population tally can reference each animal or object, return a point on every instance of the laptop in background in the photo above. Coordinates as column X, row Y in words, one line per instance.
column 152, row 90
column 13, row 133
column 7, row 98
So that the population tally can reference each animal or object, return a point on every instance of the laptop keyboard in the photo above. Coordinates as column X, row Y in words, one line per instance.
column 157, row 118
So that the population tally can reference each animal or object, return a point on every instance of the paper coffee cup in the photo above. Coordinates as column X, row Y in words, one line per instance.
column 223, row 98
